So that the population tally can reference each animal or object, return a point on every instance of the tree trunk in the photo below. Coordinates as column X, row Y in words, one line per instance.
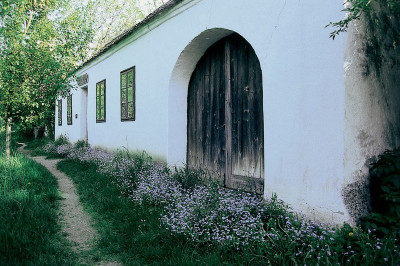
column 8, row 137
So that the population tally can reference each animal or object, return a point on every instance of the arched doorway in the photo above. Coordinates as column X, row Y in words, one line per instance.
column 225, row 129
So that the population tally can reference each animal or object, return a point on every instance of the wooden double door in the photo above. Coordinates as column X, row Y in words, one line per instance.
column 225, row 115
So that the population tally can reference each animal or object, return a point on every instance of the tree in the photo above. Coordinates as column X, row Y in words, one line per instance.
column 111, row 18
column 42, row 42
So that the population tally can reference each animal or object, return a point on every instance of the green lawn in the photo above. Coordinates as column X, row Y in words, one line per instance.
column 29, row 232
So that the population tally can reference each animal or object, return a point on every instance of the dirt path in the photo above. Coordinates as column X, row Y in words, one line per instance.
column 74, row 220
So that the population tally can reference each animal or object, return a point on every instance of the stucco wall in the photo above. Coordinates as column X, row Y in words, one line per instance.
column 303, row 81
column 72, row 132
column 303, row 97
column 372, row 110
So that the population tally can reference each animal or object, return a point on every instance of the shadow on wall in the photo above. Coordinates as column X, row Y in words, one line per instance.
column 372, row 99
column 356, row 197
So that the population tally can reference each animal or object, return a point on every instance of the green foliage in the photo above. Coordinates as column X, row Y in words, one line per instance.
column 62, row 139
column 132, row 164
column 112, row 18
column 356, row 8
column 29, row 233
column 385, row 194
column 36, row 146
column 131, row 231
column 42, row 43
column 189, row 177
column 81, row 144
column 47, row 147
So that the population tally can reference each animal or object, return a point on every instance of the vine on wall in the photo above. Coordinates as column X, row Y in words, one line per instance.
column 355, row 9
column 382, row 30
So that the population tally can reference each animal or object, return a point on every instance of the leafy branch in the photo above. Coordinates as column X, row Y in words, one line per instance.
column 354, row 10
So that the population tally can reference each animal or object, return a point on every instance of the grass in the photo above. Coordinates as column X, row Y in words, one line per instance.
column 29, row 232
column 147, row 215
column 36, row 146
column 129, row 232
column 132, row 233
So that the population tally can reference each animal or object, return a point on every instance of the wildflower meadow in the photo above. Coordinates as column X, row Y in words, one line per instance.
column 208, row 215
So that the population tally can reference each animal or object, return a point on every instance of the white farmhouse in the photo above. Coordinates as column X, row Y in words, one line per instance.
column 254, row 90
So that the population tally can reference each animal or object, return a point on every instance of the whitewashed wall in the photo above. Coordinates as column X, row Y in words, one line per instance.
column 372, row 107
column 71, row 131
column 303, row 80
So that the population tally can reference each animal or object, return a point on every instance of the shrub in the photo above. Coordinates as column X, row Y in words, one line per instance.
column 385, row 194
column 62, row 139
column 81, row 144
column 233, row 221
column 215, row 215
column 190, row 177
column 53, row 148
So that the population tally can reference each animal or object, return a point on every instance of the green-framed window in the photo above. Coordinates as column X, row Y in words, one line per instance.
column 59, row 108
column 69, row 110
column 101, row 101
column 128, row 95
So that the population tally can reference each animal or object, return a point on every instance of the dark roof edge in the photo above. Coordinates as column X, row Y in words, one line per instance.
column 151, row 17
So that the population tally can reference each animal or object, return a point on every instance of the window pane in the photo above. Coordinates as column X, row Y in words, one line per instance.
column 123, row 80
column 59, row 112
column 130, row 78
column 123, row 111
column 69, row 110
column 130, row 110
column 127, row 94
column 123, row 96
column 100, row 101
column 130, row 94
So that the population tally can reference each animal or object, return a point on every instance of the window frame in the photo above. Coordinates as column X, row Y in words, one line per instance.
column 59, row 114
column 69, row 110
column 125, row 90
column 100, row 120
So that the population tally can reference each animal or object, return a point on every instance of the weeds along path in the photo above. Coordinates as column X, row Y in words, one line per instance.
column 75, row 222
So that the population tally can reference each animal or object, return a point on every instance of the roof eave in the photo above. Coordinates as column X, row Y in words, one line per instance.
column 150, row 18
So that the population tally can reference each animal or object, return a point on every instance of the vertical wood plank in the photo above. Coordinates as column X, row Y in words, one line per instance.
column 225, row 116
column 228, row 115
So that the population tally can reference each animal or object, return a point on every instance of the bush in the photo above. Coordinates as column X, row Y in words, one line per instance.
column 189, row 177
column 385, row 194
column 62, row 139
column 233, row 221
column 81, row 144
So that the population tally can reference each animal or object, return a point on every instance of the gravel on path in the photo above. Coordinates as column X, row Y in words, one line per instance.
column 75, row 222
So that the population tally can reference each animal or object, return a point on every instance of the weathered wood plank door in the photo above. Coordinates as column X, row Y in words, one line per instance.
column 225, row 114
